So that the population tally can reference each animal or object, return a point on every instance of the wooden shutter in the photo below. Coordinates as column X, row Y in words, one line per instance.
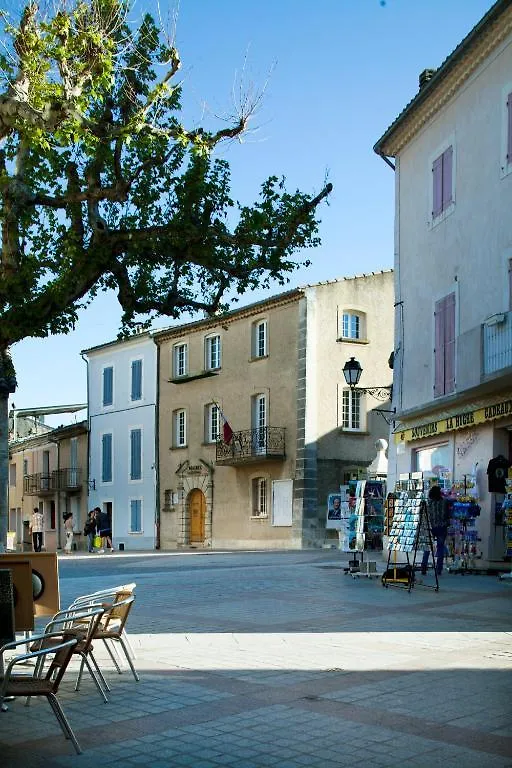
column 449, row 344
column 106, row 458
column 439, row 321
column 136, row 379
column 437, row 186
column 447, row 177
column 108, row 386
column 509, row 133
column 136, row 454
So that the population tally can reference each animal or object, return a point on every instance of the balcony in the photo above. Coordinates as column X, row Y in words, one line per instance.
column 497, row 343
column 49, row 482
column 251, row 445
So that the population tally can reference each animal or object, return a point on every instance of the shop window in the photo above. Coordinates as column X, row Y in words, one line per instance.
column 437, row 459
column 444, row 351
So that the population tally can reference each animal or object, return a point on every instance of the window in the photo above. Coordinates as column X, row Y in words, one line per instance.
column 259, row 339
column 136, row 379
column 212, row 423
column 135, row 515
column 444, row 351
column 506, row 141
column 259, row 497
column 25, row 467
column 12, row 475
column 351, row 410
column 212, row 353
column 106, row 458
column 180, row 360
column 259, row 423
column 180, row 428
column 442, row 182
column 351, row 326
column 436, row 458
column 135, row 454
column 108, row 386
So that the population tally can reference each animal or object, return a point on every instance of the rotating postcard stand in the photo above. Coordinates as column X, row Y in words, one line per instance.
column 410, row 531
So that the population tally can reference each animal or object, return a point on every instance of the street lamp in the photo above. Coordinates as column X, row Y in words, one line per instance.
column 352, row 372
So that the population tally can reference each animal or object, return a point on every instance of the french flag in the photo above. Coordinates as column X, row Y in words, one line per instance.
column 227, row 432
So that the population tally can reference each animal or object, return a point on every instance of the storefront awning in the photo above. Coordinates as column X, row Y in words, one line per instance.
column 457, row 418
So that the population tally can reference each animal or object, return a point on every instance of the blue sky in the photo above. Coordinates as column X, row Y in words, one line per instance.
column 337, row 73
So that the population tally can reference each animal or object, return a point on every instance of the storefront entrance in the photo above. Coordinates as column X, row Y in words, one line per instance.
column 197, row 510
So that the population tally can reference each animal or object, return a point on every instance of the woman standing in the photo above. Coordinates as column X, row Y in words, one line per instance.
column 68, row 528
column 90, row 529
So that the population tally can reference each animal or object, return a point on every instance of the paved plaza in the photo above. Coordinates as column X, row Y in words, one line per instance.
column 251, row 660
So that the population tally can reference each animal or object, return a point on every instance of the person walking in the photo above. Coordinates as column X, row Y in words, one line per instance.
column 439, row 516
column 68, row 528
column 90, row 528
column 104, row 527
column 36, row 529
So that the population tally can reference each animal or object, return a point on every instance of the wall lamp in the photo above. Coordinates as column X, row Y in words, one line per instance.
column 352, row 372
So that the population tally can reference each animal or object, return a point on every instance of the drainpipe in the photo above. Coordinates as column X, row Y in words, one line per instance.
column 86, row 361
column 157, row 461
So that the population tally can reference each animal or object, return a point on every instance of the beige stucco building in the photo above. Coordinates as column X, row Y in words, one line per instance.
column 256, row 425
column 48, row 471
column 452, row 147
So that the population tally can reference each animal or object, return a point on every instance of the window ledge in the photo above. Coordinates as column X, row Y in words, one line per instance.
column 177, row 447
column 349, row 340
column 355, row 432
column 193, row 377
column 434, row 221
column 256, row 358
column 259, row 517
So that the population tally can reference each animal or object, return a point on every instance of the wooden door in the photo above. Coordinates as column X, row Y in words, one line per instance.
column 197, row 507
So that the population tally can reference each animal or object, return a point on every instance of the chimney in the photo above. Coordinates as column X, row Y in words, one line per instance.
column 425, row 76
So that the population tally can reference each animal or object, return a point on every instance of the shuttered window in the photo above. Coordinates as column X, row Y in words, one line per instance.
column 509, row 129
column 442, row 173
column 106, row 458
column 135, row 515
column 135, row 454
column 444, row 352
column 136, row 379
column 108, row 386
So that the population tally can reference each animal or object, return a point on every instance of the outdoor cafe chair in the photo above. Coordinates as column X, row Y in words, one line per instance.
column 23, row 685
column 82, row 624
column 110, row 595
column 112, row 628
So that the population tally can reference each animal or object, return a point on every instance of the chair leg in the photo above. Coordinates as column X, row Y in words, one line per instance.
column 128, row 644
column 99, row 673
column 116, row 665
column 96, row 681
column 63, row 722
column 128, row 659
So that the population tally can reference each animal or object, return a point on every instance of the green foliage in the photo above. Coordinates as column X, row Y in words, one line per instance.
column 102, row 186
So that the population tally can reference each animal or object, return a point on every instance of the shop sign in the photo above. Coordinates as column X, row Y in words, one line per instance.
column 457, row 421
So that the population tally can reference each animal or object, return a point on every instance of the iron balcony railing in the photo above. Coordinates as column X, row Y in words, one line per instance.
column 252, row 445
column 497, row 343
column 48, row 482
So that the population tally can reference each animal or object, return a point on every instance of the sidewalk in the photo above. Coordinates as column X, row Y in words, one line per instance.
column 253, row 661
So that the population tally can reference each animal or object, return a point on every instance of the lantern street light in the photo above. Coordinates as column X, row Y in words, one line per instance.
column 352, row 372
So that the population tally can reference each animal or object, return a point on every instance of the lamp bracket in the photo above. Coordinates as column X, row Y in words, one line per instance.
column 379, row 393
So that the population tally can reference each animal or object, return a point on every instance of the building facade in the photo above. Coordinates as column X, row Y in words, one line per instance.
column 121, row 385
column 48, row 471
column 452, row 150
column 256, row 423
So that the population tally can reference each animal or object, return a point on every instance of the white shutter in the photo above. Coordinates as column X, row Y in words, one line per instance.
column 282, row 502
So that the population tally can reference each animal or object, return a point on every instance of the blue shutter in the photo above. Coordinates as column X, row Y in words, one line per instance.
column 108, row 386
column 135, row 515
column 106, row 458
column 136, row 454
column 136, row 379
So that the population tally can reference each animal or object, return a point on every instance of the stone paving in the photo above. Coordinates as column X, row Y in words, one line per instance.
column 251, row 660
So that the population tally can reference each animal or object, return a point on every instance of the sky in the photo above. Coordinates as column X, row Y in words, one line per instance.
column 334, row 75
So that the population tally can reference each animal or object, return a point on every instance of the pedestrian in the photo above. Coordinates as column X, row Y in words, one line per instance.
column 104, row 528
column 439, row 516
column 90, row 528
column 68, row 528
column 36, row 529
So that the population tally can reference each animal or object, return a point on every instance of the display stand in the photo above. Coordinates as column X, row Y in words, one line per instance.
column 410, row 531
column 367, row 525
column 462, row 536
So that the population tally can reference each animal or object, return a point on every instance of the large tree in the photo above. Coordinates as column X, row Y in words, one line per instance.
column 103, row 187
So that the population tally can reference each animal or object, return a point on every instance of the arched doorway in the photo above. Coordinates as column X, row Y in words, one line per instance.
column 197, row 511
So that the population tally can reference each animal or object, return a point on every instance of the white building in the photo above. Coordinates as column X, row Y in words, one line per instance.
column 452, row 148
column 121, row 380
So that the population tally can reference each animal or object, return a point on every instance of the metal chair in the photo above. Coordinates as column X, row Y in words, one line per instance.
column 12, row 684
column 112, row 628
column 110, row 595
column 82, row 624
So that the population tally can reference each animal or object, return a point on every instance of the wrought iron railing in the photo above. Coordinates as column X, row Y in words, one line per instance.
column 252, row 445
column 497, row 333
column 49, row 482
